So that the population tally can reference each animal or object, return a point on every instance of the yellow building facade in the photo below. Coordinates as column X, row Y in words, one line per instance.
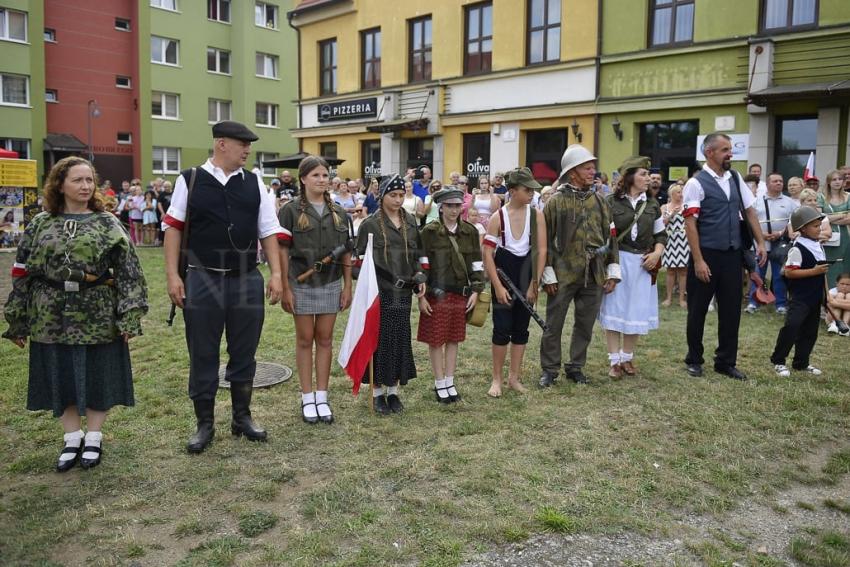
column 508, row 83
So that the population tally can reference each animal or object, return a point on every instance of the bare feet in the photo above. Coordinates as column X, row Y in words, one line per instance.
column 683, row 304
column 666, row 303
column 516, row 385
column 495, row 390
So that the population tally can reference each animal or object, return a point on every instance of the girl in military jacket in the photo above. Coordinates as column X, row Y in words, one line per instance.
column 400, row 265
column 632, row 308
column 455, row 277
column 314, row 229
column 78, row 293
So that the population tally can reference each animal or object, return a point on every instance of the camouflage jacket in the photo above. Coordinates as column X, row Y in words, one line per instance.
column 578, row 228
column 93, row 243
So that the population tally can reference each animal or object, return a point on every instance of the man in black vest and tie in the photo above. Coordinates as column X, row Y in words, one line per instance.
column 714, row 199
column 229, row 211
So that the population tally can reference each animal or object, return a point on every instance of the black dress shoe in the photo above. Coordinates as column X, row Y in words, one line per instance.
column 62, row 466
column 381, row 406
column 547, row 379
column 445, row 398
column 325, row 418
column 731, row 372
column 694, row 370
column 309, row 419
column 453, row 397
column 89, row 463
column 578, row 377
column 394, row 402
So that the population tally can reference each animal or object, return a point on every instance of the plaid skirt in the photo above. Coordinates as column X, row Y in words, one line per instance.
column 317, row 300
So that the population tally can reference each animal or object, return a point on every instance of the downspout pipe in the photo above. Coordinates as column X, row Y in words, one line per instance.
column 289, row 16
column 598, row 64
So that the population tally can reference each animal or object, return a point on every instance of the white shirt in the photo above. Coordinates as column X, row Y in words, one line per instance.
column 693, row 193
column 267, row 223
column 795, row 258
column 780, row 207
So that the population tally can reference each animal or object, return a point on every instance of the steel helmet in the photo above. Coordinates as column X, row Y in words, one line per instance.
column 803, row 216
column 574, row 156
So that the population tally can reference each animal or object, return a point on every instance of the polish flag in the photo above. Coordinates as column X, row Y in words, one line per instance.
column 809, row 172
column 361, row 332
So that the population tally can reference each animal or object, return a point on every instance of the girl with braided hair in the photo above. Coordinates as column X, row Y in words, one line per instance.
column 313, row 227
column 399, row 263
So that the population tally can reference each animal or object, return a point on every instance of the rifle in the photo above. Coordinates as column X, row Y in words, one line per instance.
column 332, row 257
column 519, row 296
column 183, row 260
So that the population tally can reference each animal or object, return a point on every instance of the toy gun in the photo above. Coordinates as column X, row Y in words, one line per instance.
column 332, row 257
column 519, row 296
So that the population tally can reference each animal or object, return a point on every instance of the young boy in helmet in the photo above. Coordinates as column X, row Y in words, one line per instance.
column 804, row 271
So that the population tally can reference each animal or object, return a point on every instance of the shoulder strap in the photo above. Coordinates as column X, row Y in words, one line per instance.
column 767, row 214
column 458, row 254
column 638, row 213
column 532, row 237
column 502, row 226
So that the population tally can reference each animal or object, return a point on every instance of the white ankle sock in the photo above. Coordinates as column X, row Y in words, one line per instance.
column 378, row 392
column 614, row 358
column 392, row 390
column 73, row 439
column 93, row 439
column 308, row 406
column 322, row 398
column 441, row 388
column 450, row 384
column 626, row 356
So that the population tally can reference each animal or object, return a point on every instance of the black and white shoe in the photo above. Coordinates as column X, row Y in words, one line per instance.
column 63, row 465
column 90, row 463
column 394, row 403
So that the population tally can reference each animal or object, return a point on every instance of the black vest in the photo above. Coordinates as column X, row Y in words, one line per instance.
column 806, row 290
column 223, row 221
column 719, row 221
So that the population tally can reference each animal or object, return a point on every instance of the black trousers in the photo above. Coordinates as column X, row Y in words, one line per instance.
column 725, row 285
column 799, row 331
column 214, row 304
column 510, row 322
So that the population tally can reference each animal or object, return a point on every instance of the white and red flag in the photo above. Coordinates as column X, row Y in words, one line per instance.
column 809, row 172
column 361, row 332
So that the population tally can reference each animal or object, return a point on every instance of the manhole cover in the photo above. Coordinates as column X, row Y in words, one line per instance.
column 268, row 374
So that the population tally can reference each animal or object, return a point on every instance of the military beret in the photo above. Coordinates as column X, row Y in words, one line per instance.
column 521, row 176
column 235, row 130
column 634, row 162
column 448, row 195
column 390, row 183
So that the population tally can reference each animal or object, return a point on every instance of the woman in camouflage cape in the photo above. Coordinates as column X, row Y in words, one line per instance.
column 79, row 295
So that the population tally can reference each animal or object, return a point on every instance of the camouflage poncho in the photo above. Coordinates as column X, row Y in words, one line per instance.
column 94, row 315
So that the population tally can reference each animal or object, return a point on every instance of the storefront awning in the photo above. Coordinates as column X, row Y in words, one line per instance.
column 64, row 143
column 398, row 125
column 293, row 161
column 796, row 92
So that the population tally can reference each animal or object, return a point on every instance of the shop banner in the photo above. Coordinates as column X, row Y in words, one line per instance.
column 740, row 147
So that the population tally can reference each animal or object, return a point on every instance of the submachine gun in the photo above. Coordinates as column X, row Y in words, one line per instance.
column 520, row 296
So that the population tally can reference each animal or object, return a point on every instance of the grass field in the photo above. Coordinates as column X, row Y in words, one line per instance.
column 432, row 486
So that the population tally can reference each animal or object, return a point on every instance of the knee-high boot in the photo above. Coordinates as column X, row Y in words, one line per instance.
column 242, row 424
column 205, row 413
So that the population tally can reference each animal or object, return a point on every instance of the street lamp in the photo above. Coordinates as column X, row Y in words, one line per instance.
column 93, row 112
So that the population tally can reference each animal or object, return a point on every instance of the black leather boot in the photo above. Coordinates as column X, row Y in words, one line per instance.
column 242, row 424
column 205, row 412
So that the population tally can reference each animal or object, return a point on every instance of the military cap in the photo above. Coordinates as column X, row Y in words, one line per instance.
column 235, row 130
column 521, row 176
column 448, row 194
column 390, row 183
column 634, row 162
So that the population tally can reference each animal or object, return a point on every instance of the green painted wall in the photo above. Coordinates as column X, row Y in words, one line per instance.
column 624, row 26
column 834, row 12
column 722, row 19
column 822, row 58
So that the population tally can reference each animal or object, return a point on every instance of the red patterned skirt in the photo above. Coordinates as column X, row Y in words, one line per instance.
column 447, row 322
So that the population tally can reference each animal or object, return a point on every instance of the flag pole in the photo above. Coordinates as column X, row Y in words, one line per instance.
column 372, row 383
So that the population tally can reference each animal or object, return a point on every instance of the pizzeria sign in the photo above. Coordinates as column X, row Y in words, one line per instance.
column 347, row 110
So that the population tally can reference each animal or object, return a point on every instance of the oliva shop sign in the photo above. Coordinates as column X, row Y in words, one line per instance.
column 349, row 109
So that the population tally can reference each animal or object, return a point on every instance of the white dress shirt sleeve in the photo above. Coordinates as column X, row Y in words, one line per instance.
column 692, row 196
column 267, row 223
column 175, row 216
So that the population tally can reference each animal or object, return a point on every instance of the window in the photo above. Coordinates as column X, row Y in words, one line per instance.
column 122, row 24
column 267, row 156
column 13, row 25
column 370, row 49
column 544, row 31
column 124, row 138
column 218, row 110
column 267, row 65
column 165, row 4
column 327, row 149
column 327, row 66
column 14, row 89
column 218, row 10
column 50, row 35
column 16, row 145
column 51, row 95
column 789, row 14
column 479, row 38
column 420, row 151
column 672, row 22
column 166, row 160
column 543, row 149
column 670, row 144
column 266, row 114
column 218, row 60
column 419, row 64
column 265, row 15
column 164, row 50
column 796, row 138
column 370, row 155
column 122, row 82
column 165, row 105
column 476, row 157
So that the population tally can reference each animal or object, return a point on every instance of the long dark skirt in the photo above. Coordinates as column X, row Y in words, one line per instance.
column 97, row 377
column 394, row 356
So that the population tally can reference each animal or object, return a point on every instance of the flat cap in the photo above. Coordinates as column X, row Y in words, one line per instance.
column 235, row 130
column 448, row 195
column 634, row 162
column 521, row 176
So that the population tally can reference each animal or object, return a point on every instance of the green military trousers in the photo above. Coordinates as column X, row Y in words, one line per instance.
column 587, row 303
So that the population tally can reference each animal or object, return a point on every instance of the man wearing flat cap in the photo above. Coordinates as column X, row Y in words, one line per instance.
column 581, row 265
column 226, row 210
